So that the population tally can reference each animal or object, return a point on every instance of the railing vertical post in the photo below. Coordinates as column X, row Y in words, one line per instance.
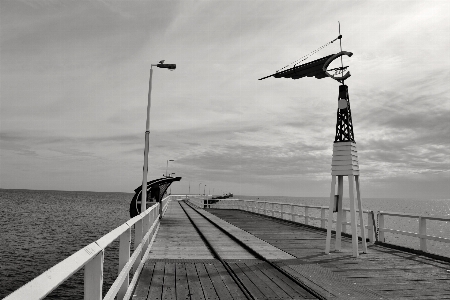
column 322, row 217
column 265, row 208
column 306, row 215
column 273, row 214
column 93, row 278
column 344, row 220
column 124, row 256
column 370, row 229
column 145, row 229
column 423, row 231
column 282, row 211
column 292, row 213
column 137, row 240
column 381, row 227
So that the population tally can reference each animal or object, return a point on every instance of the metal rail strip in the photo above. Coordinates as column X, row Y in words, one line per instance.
column 235, row 278
column 260, row 257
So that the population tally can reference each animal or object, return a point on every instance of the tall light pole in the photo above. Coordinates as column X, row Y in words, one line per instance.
column 167, row 165
column 199, row 188
column 161, row 64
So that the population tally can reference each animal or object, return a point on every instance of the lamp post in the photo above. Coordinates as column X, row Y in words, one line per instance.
column 199, row 188
column 167, row 165
column 161, row 64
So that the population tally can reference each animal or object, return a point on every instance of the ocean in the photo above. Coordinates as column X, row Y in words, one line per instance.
column 41, row 228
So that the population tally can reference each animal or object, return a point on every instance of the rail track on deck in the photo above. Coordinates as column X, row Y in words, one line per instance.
column 197, row 255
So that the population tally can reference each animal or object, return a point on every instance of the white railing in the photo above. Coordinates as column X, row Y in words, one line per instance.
column 200, row 201
column 422, row 234
column 288, row 211
column 91, row 258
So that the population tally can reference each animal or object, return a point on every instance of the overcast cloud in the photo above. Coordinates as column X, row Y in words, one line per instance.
column 74, row 84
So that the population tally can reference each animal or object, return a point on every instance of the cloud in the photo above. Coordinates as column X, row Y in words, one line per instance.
column 74, row 87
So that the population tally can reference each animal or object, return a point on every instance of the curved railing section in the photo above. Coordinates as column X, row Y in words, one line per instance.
column 305, row 214
column 91, row 258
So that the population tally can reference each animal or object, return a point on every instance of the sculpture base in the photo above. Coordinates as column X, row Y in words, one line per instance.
column 345, row 159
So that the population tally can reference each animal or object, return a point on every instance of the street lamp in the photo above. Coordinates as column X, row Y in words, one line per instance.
column 167, row 165
column 171, row 67
column 199, row 188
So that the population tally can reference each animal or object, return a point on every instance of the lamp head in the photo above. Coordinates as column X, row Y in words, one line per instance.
column 167, row 66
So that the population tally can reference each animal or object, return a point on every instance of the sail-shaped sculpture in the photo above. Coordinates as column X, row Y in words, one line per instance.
column 345, row 156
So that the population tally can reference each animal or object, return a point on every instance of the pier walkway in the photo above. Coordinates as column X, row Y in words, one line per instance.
column 233, row 254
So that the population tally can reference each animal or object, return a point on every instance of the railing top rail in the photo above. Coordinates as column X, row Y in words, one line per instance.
column 45, row 283
column 53, row 277
column 405, row 215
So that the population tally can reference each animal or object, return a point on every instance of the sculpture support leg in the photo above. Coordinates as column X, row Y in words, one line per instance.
column 361, row 219
column 353, row 217
column 339, row 212
column 330, row 215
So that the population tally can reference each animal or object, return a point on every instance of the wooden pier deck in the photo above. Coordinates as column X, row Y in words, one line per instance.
column 249, row 256
column 391, row 273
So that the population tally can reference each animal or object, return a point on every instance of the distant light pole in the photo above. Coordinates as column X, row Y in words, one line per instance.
column 204, row 190
column 171, row 67
column 167, row 165
column 199, row 188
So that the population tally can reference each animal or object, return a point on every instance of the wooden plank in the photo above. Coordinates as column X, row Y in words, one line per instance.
column 195, row 287
column 345, row 157
column 143, row 285
column 344, row 167
column 249, row 285
column 338, row 152
column 293, row 289
column 231, row 285
column 344, row 173
column 339, row 144
column 344, row 162
column 219, row 286
column 264, row 283
column 182, row 286
column 168, row 291
column 156, row 286
column 207, row 286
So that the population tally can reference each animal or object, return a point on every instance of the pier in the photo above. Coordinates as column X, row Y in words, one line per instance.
column 273, row 259
column 238, row 249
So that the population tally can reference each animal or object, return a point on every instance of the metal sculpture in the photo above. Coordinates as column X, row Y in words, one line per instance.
column 155, row 192
column 345, row 155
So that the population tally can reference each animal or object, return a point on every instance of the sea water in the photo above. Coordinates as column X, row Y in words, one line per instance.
column 41, row 228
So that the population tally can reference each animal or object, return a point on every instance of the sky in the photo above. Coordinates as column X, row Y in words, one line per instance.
column 74, row 81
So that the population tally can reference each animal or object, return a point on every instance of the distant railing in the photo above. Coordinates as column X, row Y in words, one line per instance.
column 269, row 208
column 91, row 258
column 285, row 209
column 422, row 235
